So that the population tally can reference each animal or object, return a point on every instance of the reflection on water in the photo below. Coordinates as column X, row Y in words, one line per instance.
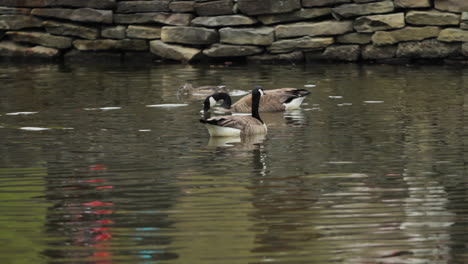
column 105, row 164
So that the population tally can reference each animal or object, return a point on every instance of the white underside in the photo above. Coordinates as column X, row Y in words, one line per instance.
column 294, row 104
column 219, row 131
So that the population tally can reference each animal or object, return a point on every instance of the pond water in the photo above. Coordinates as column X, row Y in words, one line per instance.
column 372, row 169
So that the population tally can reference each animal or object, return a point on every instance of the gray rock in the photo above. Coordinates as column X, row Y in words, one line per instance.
column 465, row 49
column 453, row 35
column 143, row 6
column 405, row 34
column 430, row 48
column 176, row 19
column 301, row 14
column 80, row 14
column 189, row 35
column 313, row 29
column 11, row 49
column 103, row 4
column 412, row 3
column 464, row 16
column 215, row 8
column 143, row 32
column 68, row 29
column 432, row 17
column 342, row 53
column 111, row 44
column 451, row 5
column 261, row 7
column 317, row 3
column 353, row 10
column 16, row 22
column 14, row 11
column 174, row 52
column 293, row 57
column 379, row 22
column 464, row 25
column 247, row 36
column 225, row 50
column 304, row 43
column 43, row 39
column 372, row 52
column 182, row 6
column 223, row 21
column 354, row 38
column 114, row 32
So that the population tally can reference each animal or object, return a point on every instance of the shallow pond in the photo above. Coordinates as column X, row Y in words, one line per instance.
column 107, row 164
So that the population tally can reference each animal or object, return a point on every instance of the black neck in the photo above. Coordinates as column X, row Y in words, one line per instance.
column 255, row 104
column 226, row 99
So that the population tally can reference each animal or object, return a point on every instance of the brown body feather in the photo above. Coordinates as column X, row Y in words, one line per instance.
column 272, row 101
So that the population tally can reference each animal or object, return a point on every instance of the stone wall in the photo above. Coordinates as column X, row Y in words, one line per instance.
column 256, row 30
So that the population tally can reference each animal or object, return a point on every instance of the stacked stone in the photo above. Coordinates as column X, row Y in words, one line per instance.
column 259, row 30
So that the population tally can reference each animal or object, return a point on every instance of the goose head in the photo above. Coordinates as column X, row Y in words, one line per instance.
column 211, row 101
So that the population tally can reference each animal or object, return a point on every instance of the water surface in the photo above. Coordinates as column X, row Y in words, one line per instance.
column 370, row 170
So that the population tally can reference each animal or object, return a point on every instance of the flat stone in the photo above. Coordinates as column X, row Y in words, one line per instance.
column 142, row 6
column 11, row 49
column 182, row 6
column 412, row 3
column 261, row 7
column 189, row 35
column 176, row 19
column 432, row 18
column 103, row 4
column 453, row 35
column 372, row 52
column 80, row 14
column 353, row 10
column 304, row 43
column 143, row 32
column 91, row 57
column 293, row 57
column 114, row 32
column 342, row 53
column 40, row 38
column 225, row 50
column 223, row 21
column 16, row 22
column 68, row 29
column 405, row 34
column 247, row 36
column 354, row 38
column 174, row 52
column 111, row 44
column 464, row 25
column 317, row 3
column 14, row 11
column 452, row 5
column 215, row 8
column 324, row 28
column 430, row 48
column 301, row 14
column 379, row 22
column 464, row 16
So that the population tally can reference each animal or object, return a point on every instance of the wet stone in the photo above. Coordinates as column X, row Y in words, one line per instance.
column 247, row 36
column 453, row 35
column 142, row 6
column 262, row 7
column 16, row 22
column 176, row 19
column 353, row 10
column 43, row 39
column 14, row 11
column 433, row 18
column 110, row 44
column 215, row 8
column 379, row 22
column 225, row 50
column 342, row 53
column 68, row 29
column 301, row 14
column 412, row 3
column 189, row 35
column 182, row 6
column 293, row 57
column 11, row 49
column 405, row 34
column 174, row 52
column 304, row 43
column 354, row 38
column 223, row 21
column 325, row 28
column 316, row 3
column 430, row 48
column 116, row 32
column 143, row 32
column 372, row 52
column 80, row 14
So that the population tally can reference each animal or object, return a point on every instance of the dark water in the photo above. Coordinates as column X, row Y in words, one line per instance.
column 372, row 169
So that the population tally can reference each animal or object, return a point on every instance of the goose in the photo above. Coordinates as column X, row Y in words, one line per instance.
column 235, row 126
column 202, row 90
column 277, row 100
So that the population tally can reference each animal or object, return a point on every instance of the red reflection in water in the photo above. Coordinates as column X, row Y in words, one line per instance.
column 96, row 203
column 104, row 187
column 99, row 229
column 95, row 180
column 102, row 237
column 98, row 167
column 105, row 221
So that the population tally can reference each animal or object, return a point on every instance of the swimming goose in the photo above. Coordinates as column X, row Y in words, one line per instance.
column 276, row 100
column 235, row 126
column 202, row 90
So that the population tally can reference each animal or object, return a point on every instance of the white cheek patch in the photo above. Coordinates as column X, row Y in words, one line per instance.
column 212, row 101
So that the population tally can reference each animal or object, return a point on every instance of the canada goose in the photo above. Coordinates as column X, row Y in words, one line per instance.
column 276, row 100
column 234, row 126
column 202, row 90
